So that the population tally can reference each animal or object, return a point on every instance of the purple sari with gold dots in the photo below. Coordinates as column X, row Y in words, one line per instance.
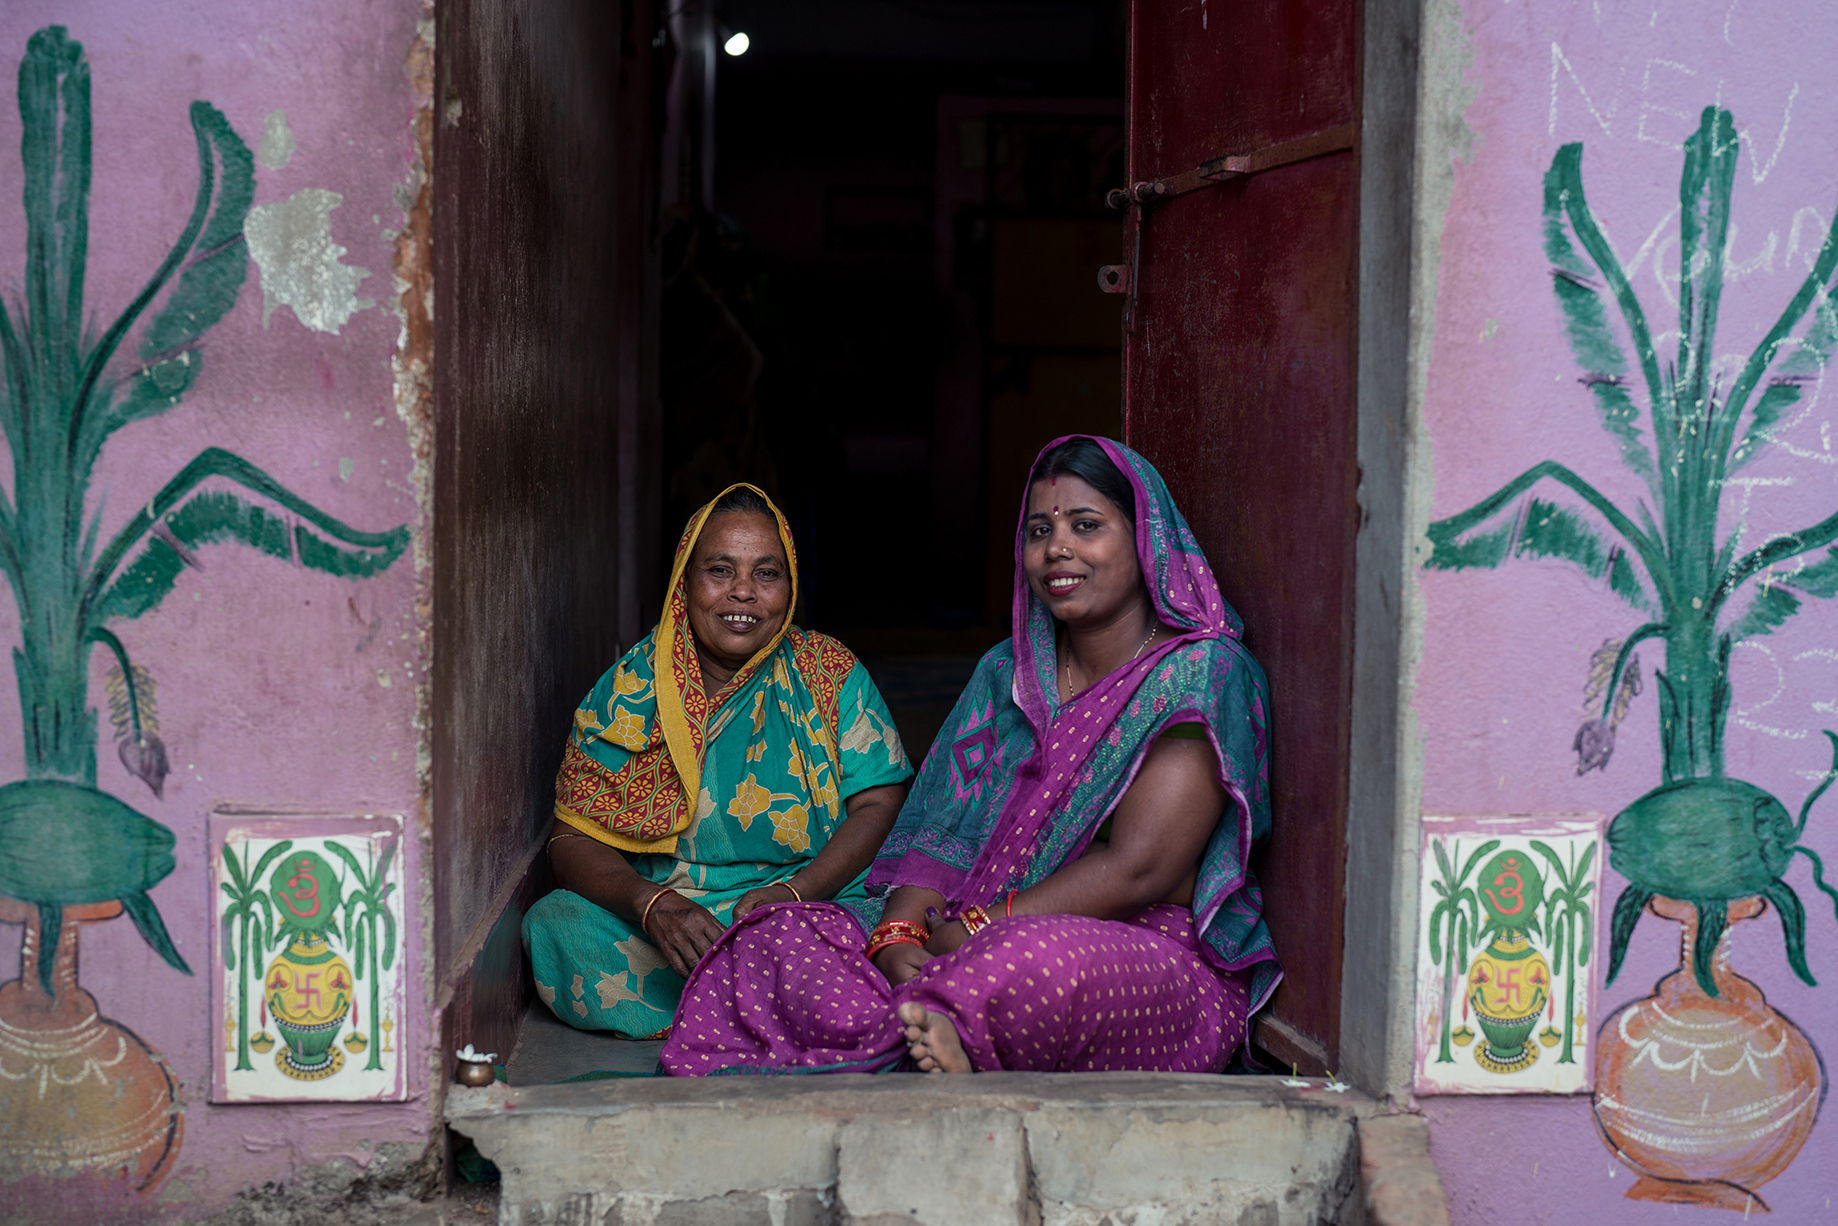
column 1016, row 786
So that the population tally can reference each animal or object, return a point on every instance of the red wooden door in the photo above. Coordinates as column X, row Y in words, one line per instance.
column 1239, row 385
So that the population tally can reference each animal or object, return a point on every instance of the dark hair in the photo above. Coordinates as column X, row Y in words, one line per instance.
column 1084, row 459
column 743, row 500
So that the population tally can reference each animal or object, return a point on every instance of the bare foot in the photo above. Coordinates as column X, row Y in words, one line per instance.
column 932, row 1040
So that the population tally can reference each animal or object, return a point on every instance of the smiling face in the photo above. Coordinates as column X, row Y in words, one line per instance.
column 1079, row 553
column 739, row 589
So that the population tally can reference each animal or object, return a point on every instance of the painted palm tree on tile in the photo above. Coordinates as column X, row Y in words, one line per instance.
column 370, row 929
column 1455, row 922
column 1569, row 921
column 247, row 924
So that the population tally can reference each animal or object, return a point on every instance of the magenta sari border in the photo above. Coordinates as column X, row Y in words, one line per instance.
column 916, row 868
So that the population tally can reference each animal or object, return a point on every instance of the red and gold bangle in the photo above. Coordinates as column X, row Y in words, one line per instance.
column 1008, row 908
column 896, row 932
column 876, row 946
column 644, row 920
column 794, row 889
column 900, row 928
column 974, row 919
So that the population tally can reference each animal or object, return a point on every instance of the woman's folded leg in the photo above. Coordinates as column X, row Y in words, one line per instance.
column 595, row 971
column 786, row 990
column 1065, row 993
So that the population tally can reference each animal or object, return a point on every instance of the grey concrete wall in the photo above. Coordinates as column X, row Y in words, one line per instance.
column 1413, row 130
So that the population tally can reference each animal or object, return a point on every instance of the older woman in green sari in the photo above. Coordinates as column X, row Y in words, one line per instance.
column 728, row 761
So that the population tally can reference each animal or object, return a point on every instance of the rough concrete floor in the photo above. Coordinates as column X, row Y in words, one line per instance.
column 549, row 1051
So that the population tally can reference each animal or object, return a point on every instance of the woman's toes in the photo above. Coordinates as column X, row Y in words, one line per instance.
column 912, row 1013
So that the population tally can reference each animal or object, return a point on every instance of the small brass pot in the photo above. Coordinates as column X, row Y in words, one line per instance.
column 474, row 1073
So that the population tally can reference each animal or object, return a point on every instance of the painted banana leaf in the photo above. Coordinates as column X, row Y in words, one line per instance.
column 1664, row 559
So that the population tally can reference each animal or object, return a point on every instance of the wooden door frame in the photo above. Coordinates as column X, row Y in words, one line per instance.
column 1412, row 97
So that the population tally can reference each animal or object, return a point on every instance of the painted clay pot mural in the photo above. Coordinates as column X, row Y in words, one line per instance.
column 1509, row 983
column 79, row 1094
column 1509, row 986
column 1700, row 838
column 309, row 994
column 1707, row 1095
column 73, row 379
column 308, row 986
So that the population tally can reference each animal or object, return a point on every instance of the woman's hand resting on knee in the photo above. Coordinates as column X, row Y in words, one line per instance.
column 775, row 892
column 681, row 930
column 602, row 875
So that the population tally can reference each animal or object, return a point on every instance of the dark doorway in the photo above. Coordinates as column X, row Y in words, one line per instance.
column 887, row 303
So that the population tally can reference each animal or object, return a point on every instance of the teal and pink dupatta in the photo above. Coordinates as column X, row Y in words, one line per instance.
column 1018, row 783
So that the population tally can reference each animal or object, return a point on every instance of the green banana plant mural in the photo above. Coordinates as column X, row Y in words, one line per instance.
column 65, row 391
column 1699, row 836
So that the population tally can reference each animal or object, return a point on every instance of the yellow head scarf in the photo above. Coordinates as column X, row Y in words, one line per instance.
column 633, row 767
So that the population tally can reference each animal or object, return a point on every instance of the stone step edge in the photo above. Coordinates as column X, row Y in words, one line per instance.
column 1397, row 1185
column 904, row 1092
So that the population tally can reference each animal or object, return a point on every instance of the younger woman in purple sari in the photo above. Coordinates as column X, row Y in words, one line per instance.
column 1067, row 886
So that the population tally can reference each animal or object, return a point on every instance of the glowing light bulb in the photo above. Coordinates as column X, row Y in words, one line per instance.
column 738, row 44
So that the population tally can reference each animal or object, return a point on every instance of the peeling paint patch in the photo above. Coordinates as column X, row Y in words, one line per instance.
column 344, row 467
column 277, row 147
column 291, row 241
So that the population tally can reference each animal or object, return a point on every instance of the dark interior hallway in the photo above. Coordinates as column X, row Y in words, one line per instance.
column 890, row 306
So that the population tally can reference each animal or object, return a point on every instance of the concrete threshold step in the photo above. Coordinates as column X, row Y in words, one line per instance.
column 993, row 1149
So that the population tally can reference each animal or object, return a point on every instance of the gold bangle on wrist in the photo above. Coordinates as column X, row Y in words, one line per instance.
column 974, row 919
column 794, row 889
column 644, row 920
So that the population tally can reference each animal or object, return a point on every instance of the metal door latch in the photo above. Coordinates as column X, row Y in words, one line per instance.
column 1122, row 278
column 1235, row 165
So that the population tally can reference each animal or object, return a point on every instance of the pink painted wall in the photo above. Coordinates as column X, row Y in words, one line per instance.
column 1506, row 651
column 279, row 686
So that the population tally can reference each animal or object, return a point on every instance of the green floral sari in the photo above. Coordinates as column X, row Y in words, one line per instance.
column 770, row 760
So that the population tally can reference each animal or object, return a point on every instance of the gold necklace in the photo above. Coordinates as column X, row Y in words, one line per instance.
column 1067, row 692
